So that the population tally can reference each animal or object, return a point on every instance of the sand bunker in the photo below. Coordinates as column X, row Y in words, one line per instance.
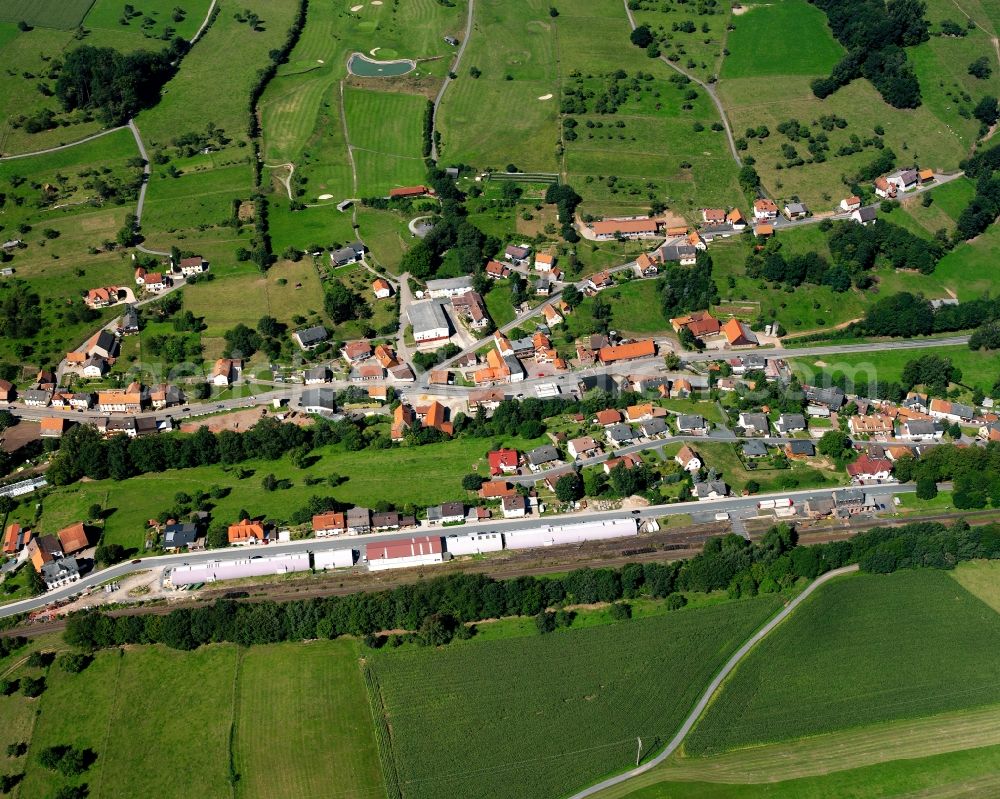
column 356, row 8
column 376, row 2
column 545, row 97
column 373, row 51
column 325, row 197
column 320, row 61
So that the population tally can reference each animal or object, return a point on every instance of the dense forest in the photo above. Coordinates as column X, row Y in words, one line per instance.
column 875, row 33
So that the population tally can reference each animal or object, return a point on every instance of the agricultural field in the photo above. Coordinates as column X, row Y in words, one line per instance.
column 692, row 36
column 152, row 19
column 947, row 203
column 611, row 684
column 945, row 754
column 63, row 14
column 760, row 43
column 863, row 650
column 373, row 476
column 979, row 369
column 318, row 721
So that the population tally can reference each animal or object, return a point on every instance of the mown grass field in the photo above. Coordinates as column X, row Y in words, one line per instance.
column 569, row 720
column 699, row 52
column 978, row 368
column 373, row 476
column 64, row 14
column 761, row 44
column 386, row 131
column 863, row 650
column 635, row 310
column 319, row 741
column 106, row 16
column 159, row 722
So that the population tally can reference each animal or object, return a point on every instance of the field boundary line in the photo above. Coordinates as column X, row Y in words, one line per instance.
column 48, row 150
column 111, row 720
column 383, row 738
column 713, row 686
column 234, row 775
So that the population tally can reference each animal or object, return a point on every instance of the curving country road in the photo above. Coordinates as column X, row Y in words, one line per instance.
column 447, row 78
column 713, row 686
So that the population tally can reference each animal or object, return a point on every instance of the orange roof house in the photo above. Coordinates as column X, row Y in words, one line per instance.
column 625, row 352
column 627, row 227
column 327, row 522
column 385, row 356
column 246, row 532
column 402, row 420
column 496, row 490
column 738, row 334
column 10, row 538
column 700, row 323
column 763, row 231
column 433, row 416
column 408, row 191
column 51, row 427
column 608, row 416
column 73, row 538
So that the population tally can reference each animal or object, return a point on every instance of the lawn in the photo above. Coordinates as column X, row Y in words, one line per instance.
column 760, row 43
column 106, row 15
column 498, row 303
column 947, row 203
column 568, row 721
column 372, row 476
column 724, row 459
column 635, row 310
column 980, row 578
column 319, row 742
column 970, row 269
column 978, row 368
column 863, row 650
column 386, row 132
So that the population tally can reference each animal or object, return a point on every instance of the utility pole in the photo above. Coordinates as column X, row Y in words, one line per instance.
column 638, row 753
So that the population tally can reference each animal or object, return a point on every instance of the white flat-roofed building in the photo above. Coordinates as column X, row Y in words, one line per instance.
column 403, row 554
column 556, row 534
column 474, row 543
column 449, row 286
column 236, row 569
column 333, row 559
column 429, row 321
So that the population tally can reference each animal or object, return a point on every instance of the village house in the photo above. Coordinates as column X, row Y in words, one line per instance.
column 737, row 220
column 247, row 533
column 403, row 419
column 195, row 265
column 764, row 210
column 179, row 536
column 541, row 456
column 763, row 231
column 626, row 461
column 688, row 459
column 120, row 400
column 434, row 415
column 52, row 427
column 310, row 337
column 619, row 434
column 351, row 254
column 865, row 216
column 608, row 417
column 514, row 506
column 103, row 297
column 821, row 401
column 683, row 254
column 583, row 447
column 316, row 375
column 518, row 255
column 367, row 372
column 903, row 180
column 644, row 412
column 626, row 352
column 852, row 203
column 713, row 489
column 470, row 306
column 544, row 261
column 446, row 513
column 796, row 211
column 599, row 281
column 448, row 287
column 699, row 323
column 692, row 425
column 381, row 289
column 359, row 521
column 226, row 372
column 551, row 315
column 713, row 216
column 884, row 189
column 7, row 391
column 104, row 344
column 738, row 334
column 920, row 430
column 867, row 469
column 757, row 423
column 328, row 524
column 876, row 425
column 951, row 411
column 654, row 428
column 356, row 351
column 502, row 461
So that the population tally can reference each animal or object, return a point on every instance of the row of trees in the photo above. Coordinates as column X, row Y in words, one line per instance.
column 907, row 314
column 441, row 606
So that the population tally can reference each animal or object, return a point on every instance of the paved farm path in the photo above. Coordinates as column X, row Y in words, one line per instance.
column 447, row 78
column 709, row 90
column 63, row 146
column 204, row 24
column 699, row 708
column 286, row 181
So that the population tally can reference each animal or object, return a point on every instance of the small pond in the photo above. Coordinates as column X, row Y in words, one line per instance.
column 365, row 67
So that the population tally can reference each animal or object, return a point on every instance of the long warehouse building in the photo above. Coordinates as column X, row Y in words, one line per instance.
column 556, row 534
column 237, row 569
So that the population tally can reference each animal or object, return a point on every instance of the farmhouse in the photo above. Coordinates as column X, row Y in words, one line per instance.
column 359, row 521
column 638, row 228
column 951, row 411
column 790, row 423
column 688, row 459
column 318, row 400
column 865, row 216
column 683, row 254
column 193, row 266
column 551, row 315
column 599, row 281
column 179, row 536
column 852, row 203
column 497, row 270
column 517, row 254
column 763, row 231
column 627, row 352
column 381, row 289
column 102, row 297
column 540, row 456
column 738, row 334
column 226, row 371
column 700, row 323
column 104, row 344
column 619, row 434
column 417, row 551
column 470, row 306
column 902, row 180
column 119, row 400
column 52, row 427
column 875, row 425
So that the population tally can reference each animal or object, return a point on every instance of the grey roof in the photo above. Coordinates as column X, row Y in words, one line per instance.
column 754, row 448
column 117, row 424
column 962, row 411
column 706, row 488
column 450, row 283
column 426, row 316
column 792, row 421
column 688, row 421
column 60, row 569
column 317, row 373
column 515, row 366
column 801, row 447
column 758, row 421
column 358, row 517
column 179, row 535
column 347, row 254
column 36, row 395
column 620, row 432
column 832, row 397
column 321, row 398
column 517, row 252
column 849, row 496
column 106, row 340
column 906, row 175
column 522, row 344
column 867, row 214
column 386, row 519
column 654, row 427
column 921, row 427
column 675, row 252
column 796, row 208
column 543, row 454
column 311, row 335
column 130, row 319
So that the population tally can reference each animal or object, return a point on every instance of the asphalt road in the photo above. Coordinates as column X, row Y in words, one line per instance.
column 729, row 505
column 706, row 697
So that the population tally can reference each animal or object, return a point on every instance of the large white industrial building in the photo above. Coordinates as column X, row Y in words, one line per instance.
column 556, row 534
column 406, row 553
column 333, row 559
column 237, row 569
column 474, row 543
